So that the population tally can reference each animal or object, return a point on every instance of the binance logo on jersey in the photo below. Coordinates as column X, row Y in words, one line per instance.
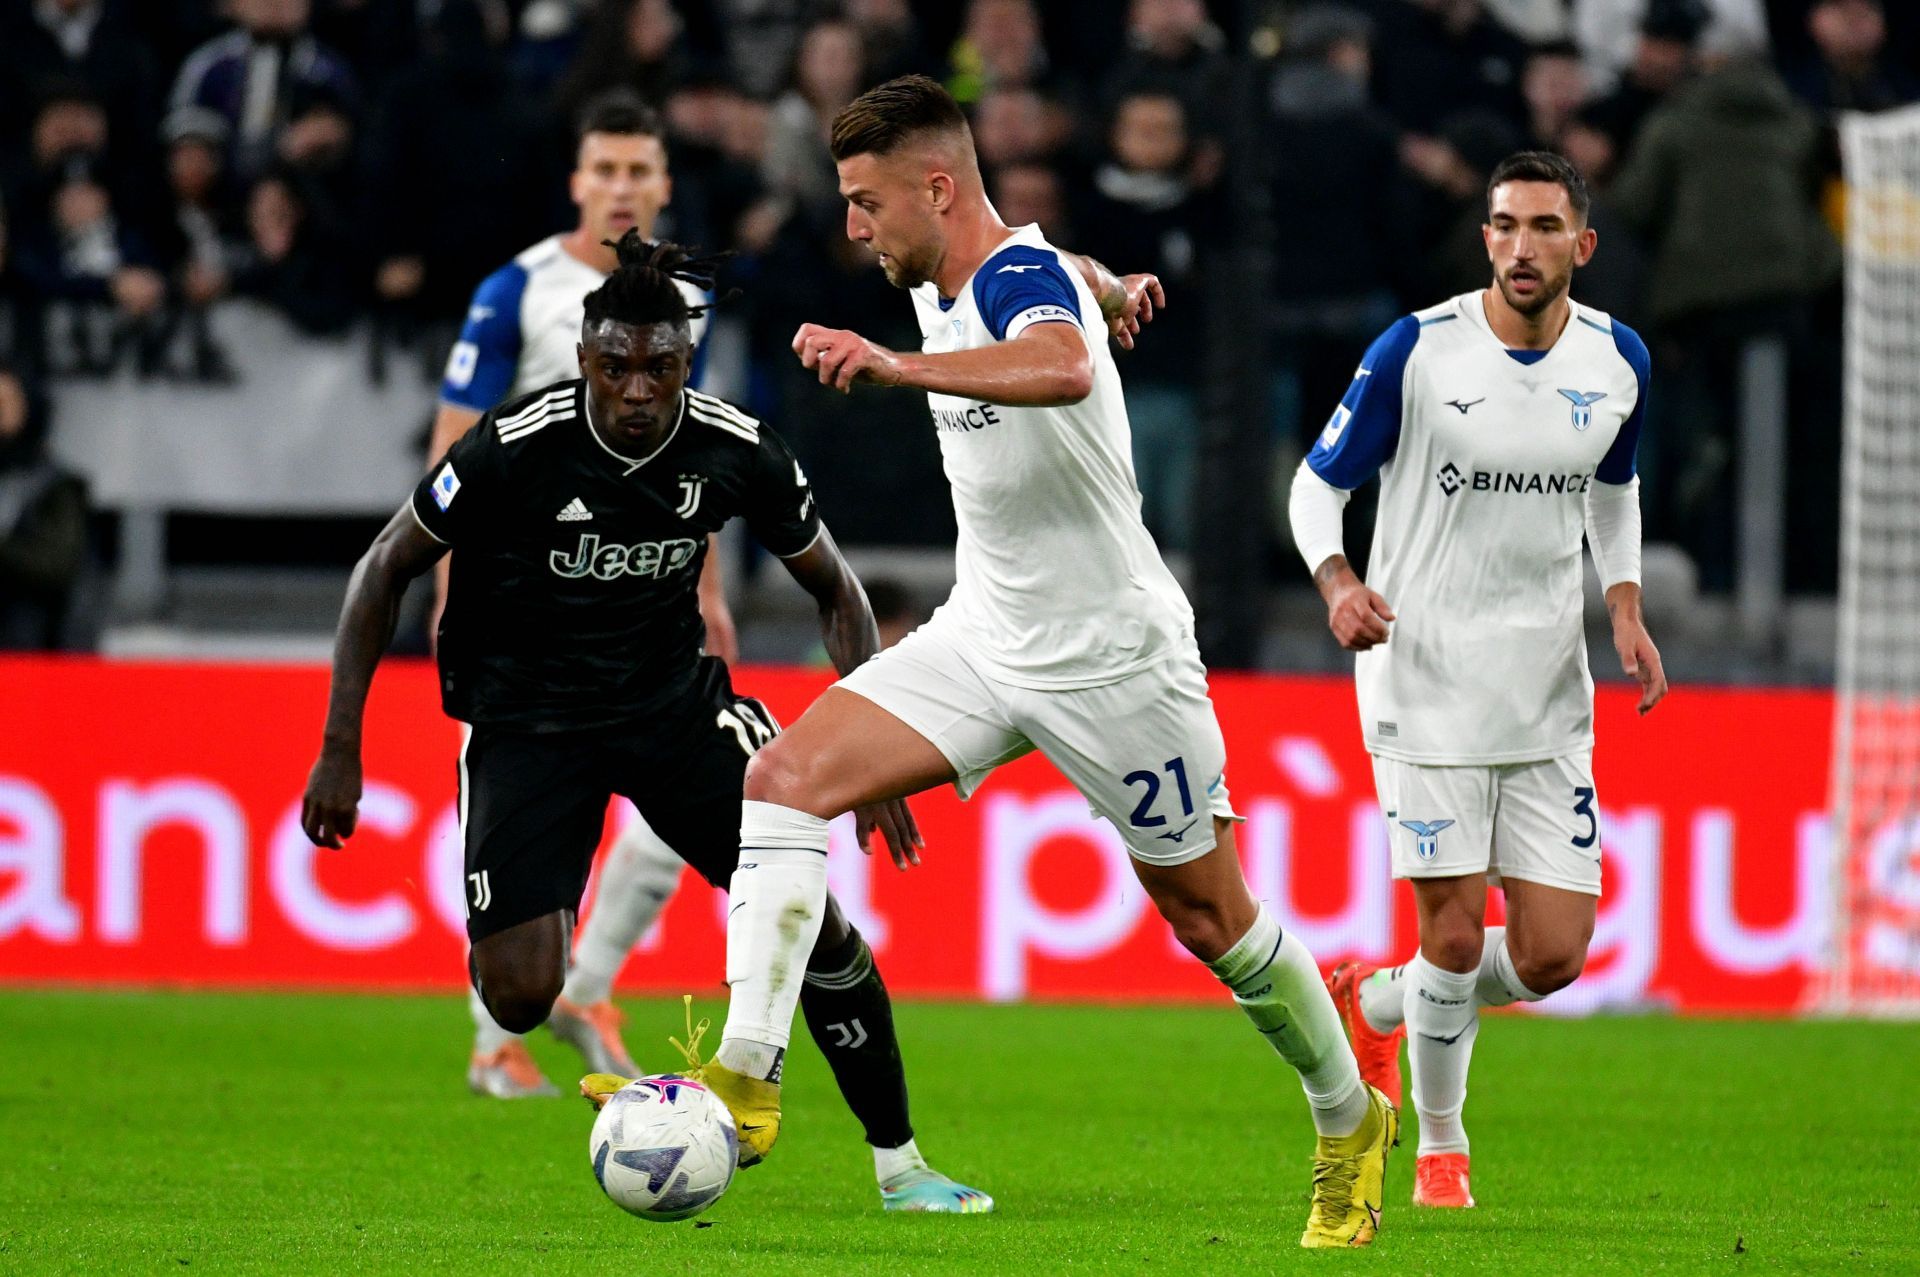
column 1449, row 478
column 612, row 561
column 961, row 420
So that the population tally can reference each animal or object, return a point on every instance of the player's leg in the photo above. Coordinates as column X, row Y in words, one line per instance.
column 1443, row 1021
column 530, row 815
column 1547, row 847
column 1176, row 819
column 637, row 879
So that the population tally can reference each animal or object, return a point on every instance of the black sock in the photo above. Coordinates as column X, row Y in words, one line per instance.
column 851, row 1018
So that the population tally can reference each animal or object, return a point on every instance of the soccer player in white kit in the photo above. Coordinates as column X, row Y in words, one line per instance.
column 522, row 332
column 1064, row 633
column 1502, row 424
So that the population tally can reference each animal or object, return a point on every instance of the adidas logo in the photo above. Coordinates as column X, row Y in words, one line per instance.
column 573, row 512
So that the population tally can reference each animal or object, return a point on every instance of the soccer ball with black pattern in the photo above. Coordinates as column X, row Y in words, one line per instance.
column 663, row 1148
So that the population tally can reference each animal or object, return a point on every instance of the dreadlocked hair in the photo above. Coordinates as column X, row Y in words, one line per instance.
column 643, row 287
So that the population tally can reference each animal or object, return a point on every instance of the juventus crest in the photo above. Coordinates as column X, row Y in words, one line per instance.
column 691, row 486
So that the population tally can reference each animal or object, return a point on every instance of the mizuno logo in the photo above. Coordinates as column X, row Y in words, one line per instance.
column 1015, row 270
column 1455, row 403
column 573, row 512
column 1443, row 1041
column 1181, row 832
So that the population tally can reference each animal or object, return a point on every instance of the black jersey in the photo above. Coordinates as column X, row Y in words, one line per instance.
column 573, row 602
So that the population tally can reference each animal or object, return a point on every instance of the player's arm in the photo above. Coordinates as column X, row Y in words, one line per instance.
column 1613, row 534
column 1358, row 439
column 401, row 552
column 1126, row 301
column 852, row 638
column 723, row 639
column 1039, row 358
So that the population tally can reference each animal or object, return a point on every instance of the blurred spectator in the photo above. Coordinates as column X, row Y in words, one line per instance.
column 1662, row 61
column 85, row 42
column 282, row 93
column 196, row 239
column 1722, row 186
column 1173, row 47
column 291, row 262
column 1019, row 126
column 896, row 612
column 450, row 166
column 1000, row 47
column 828, row 73
column 1031, row 193
column 718, row 143
column 1439, row 56
column 1143, row 214
column 629, row 44
column 894, row 43
column 1535, row 21
column 1612, row 33
column 1850, row 69
column 1556, row 88
column 761, row 38
column 1452, row 169
column 1331, row 142
column 43, row 524
column 22, row 326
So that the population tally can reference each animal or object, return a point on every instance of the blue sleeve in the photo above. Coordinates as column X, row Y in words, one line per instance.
column 1021, row 286
column 481, row 369
column 1618, row 465
column 1365, row 429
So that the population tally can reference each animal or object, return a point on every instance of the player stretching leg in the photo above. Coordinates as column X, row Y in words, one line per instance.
column 521, row 334
column 1065, row 633
column 1502, row 424
column 571, row 644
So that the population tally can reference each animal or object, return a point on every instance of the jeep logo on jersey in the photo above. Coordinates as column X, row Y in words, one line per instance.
column 1583, row 401
column 1449, row 478
column 610, row 562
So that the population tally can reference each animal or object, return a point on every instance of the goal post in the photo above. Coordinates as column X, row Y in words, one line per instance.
column 1875, row 796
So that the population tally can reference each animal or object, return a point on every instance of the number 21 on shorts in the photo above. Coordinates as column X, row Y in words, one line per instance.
column 1143, row 817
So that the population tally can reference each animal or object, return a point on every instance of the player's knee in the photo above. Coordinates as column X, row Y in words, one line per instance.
column 1552, row 971
column 781, row 774
column 1203, row 927
column 1454, row 946
column 517, row 997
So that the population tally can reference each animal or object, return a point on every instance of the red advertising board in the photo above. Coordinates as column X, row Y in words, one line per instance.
column 148, row 835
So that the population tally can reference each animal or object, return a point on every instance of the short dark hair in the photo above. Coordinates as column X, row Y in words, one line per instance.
column 1543, row 166
column 644, row 287
column 886, row 117
column 622, row 112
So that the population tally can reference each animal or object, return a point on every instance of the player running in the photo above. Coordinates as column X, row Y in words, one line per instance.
column 571, row 645
column 1065, row 633
column 1501, row 423
column 521, row 333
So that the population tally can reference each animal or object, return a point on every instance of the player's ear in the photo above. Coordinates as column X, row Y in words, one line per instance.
column 580, row 356
column 1584, row 246
column 940, row 191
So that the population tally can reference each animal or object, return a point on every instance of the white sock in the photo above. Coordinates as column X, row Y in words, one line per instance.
column 1383, row 994
column 635, row 884
column 1498, row 984
column 488, row 1037
column 1442, row 1022
column 1275, row 981
column 891, row 1163
column 778, row 898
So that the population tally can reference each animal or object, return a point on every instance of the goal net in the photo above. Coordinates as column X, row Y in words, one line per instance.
column 1876, row 742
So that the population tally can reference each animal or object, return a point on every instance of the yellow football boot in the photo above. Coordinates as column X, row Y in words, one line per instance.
column 1349, row 1179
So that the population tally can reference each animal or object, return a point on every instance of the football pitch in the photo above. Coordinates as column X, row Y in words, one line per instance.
column 223, row 1133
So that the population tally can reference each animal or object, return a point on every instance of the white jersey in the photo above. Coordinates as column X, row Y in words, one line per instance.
column 524, row 324
column 1058, row 583
column 1485, row 457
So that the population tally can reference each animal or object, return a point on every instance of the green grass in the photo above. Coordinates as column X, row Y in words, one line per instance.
column 148, row 1132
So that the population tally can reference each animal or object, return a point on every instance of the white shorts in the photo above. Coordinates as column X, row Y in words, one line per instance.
column 1538, row 822
column 1146, row 752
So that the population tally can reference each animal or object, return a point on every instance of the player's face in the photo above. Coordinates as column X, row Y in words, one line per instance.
column 1534, row 241
column 620, row 181
column 634, row 379
column 893, row 205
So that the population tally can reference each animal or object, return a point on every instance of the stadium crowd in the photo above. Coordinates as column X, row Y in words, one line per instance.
column 363, row 163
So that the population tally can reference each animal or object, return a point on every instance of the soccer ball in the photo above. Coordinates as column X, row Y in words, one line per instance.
column 663, row 1148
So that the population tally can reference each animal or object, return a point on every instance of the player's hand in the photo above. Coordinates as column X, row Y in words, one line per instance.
column 842, row 358
column 1143, row 295
column 1640, row 659
column 895, row 822
column 331, row 806
column 1358, row 617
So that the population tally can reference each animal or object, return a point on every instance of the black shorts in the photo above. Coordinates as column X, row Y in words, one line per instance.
column 532, row 804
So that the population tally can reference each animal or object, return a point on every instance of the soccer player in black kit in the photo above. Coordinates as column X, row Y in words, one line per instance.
column 571, row 646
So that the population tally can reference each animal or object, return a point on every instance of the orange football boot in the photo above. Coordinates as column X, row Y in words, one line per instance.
column 1378, row 1053
column 1440, row 1179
